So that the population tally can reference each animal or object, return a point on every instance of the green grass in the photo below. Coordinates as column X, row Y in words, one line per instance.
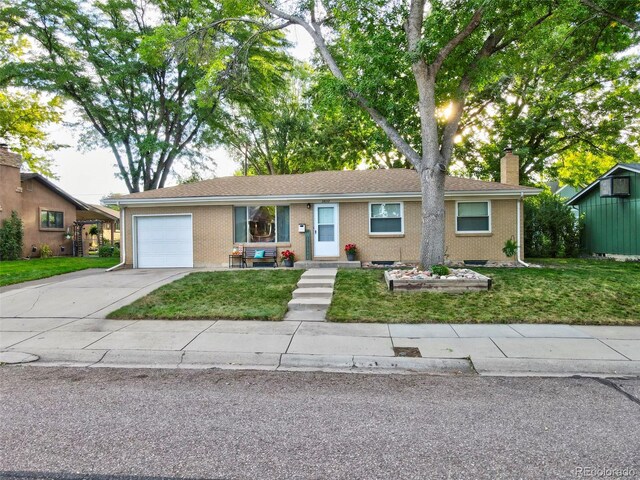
column 18, row 271
column 243, row 295
column 564, row 291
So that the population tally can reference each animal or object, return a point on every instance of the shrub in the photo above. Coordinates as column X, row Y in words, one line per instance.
column 116, row 252
column 105, row 251
column 440, row 270
column 45, row 251
column 510, row 248
column 550, row 227
column 11, row 237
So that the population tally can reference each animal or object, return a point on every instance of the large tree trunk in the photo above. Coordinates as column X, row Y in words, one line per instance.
column 432, row 245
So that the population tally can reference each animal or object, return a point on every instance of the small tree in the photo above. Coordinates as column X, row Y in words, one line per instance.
column 551, row 229
column 11, row 237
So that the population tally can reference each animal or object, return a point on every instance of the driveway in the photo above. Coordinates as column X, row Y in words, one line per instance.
column 87, row 296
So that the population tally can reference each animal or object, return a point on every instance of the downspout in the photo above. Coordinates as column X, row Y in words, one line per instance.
column 123, row 250
column 518, row 259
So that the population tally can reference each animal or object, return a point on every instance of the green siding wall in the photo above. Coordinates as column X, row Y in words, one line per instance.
column 612, row 225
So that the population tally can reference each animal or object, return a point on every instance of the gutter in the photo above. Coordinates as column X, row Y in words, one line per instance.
column 251, row 200
column 518, row 259
column 123, row 250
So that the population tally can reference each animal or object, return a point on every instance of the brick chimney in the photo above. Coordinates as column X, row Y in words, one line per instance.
column 510, row 168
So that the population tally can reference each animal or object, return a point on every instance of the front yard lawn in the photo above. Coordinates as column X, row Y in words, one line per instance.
column 18, row 271
column 243, row 295
column 564, row 291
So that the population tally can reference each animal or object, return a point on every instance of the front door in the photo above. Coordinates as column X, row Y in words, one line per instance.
column 325, row 230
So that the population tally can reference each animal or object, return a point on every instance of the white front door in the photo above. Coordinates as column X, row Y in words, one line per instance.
column 325, row 230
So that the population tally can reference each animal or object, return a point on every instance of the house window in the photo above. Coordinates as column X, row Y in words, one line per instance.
column 473, row 217
column 51, row 219
column 261, row 224
column 615, row 187
column 386, row 218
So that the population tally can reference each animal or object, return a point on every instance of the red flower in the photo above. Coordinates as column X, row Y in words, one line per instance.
column 350, row 248
column 287, row 255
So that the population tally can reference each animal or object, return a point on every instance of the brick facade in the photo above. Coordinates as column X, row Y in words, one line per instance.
column 213, row 232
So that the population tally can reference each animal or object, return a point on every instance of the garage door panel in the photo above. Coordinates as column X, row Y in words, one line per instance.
column 164, row 241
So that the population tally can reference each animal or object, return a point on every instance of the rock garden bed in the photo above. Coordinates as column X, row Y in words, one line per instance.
column 457, row 280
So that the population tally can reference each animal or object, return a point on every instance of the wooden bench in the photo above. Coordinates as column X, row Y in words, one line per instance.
column 270, row 255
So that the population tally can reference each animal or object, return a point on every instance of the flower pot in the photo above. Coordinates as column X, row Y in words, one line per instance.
column 287, row 262
column 351, row 257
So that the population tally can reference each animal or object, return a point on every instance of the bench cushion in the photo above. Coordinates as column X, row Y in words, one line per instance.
column 258, row 254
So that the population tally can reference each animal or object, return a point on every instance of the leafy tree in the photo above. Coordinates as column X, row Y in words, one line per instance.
column 291, row 132
column 147, row 77
column 25, row 116
column 11, row 237
column 550, row 227
column 580, row 168
column 414, row 68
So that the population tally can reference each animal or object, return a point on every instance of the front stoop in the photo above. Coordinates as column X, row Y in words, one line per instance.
column 327, row 264
column 312, row 298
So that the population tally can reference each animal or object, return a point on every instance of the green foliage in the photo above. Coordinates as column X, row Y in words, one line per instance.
column 580, row 168
column 106, row 251
column 149, row 79
column 510, row 248
column 116, row 252
column 45, row 251
column 93, row 230
column 11, row 237
column 440, row 270
column 550, row 227
column 25, row 116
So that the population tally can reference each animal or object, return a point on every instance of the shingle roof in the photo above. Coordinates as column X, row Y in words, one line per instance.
column 381, row 181
column 47, row 183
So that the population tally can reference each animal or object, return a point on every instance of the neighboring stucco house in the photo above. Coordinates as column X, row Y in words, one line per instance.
column 48, row 213
column 316, row 214
column 610, row 208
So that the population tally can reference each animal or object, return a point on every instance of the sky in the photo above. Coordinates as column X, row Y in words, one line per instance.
column 90, row 175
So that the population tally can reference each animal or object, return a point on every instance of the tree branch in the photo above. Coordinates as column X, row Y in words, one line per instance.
column 635, row 26
column 444, row 52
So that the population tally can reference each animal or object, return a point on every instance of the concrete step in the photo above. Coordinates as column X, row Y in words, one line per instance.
column 316, row 283
column 327, row 264
column 306, row 315
column 313, row 292
column 309, row 303
column 320, row 273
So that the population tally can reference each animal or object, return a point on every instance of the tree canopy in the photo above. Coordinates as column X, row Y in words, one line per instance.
column 147, row 77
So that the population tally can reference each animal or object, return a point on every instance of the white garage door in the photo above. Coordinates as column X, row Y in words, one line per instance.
column 164, row 241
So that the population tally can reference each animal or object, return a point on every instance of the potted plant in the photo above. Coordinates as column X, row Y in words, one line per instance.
column 287, row 257
column 350, row 249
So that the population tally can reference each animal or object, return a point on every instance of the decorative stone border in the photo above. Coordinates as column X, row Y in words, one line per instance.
column 445, row 285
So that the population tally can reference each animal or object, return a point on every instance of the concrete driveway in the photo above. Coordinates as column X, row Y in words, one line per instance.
column 87, row 296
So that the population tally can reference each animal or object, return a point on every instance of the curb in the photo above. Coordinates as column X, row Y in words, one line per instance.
column 555, row 367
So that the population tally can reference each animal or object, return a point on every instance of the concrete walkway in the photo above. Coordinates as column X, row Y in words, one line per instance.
column 311, row 300
column 518, row 349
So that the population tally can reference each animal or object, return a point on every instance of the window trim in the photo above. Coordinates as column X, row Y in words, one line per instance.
column 277, row 240
column 386, row 234
column 488, row 202
column 50, row 229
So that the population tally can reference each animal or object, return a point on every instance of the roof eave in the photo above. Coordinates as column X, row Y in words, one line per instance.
column 309, row 198
column 589, row 187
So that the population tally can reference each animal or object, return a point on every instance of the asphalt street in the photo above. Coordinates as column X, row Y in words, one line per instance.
column 72, row 423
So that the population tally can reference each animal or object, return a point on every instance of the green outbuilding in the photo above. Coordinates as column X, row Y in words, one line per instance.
column 610, row 207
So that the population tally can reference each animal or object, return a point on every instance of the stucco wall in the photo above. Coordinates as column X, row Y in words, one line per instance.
column 10, row 196
column 36, row 197
column 213, row 232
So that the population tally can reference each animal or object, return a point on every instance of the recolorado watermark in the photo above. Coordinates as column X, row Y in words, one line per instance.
column 605, row 472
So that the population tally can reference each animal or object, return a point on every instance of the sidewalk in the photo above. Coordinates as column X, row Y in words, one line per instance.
column 518, row 349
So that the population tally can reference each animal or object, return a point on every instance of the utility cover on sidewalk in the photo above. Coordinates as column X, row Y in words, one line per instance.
column 17, row 357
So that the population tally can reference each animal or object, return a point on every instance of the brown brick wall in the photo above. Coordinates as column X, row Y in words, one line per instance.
column 213, row 232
